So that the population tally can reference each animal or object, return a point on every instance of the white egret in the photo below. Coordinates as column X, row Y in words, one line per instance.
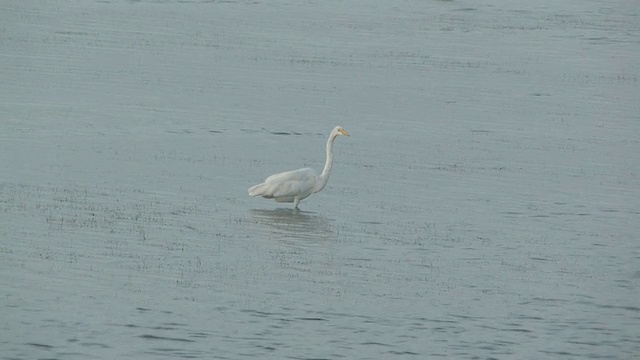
column 296, row 185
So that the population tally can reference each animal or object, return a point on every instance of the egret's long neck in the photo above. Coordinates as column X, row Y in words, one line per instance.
column 324, row 177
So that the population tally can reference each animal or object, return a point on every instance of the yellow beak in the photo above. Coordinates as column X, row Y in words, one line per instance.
column 343, row 132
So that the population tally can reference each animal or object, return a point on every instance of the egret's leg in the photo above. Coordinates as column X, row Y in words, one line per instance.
column 296, row 201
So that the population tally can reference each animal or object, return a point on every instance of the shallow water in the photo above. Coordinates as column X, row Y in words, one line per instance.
column 486, row 204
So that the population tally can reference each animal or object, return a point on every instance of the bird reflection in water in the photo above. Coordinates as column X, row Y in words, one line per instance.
column 289, row 224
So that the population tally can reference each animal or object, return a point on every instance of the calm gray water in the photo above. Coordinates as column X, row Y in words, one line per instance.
column 486, row 205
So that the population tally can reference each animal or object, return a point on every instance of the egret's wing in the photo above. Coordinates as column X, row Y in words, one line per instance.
column 299, row 183
column 300, row 174
column 301, row 188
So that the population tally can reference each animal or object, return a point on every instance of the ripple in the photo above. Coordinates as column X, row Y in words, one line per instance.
column 155, row 337
column 39, row 345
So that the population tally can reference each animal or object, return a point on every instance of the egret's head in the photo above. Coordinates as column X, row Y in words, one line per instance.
column 340, row 131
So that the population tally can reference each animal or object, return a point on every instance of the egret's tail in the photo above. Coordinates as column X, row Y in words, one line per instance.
column 257, row 190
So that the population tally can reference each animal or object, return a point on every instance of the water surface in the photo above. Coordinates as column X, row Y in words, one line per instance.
column 486, row 204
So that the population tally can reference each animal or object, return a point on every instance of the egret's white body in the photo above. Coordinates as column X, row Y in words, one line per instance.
column 294, row 186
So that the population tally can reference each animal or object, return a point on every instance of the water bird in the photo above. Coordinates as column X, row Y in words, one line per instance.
column 296, row 185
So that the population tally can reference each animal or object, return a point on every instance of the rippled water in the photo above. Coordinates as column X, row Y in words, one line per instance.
column 486, row 204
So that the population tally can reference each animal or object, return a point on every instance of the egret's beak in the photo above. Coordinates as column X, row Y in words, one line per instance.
column 343, row 132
